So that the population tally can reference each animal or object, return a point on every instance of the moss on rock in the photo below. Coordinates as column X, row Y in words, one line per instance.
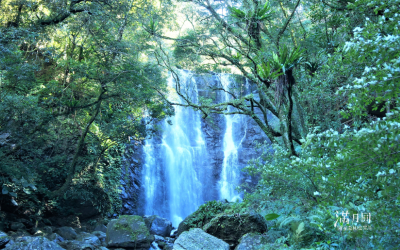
column 231, row 227
column 128, row 231
column 203, row 215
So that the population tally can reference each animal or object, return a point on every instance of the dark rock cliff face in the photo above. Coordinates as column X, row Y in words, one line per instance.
column 213, row 128
column 130, row 180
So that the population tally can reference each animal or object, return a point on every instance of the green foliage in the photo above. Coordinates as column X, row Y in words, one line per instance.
column 285, row 59
column 237, row 208
column 237, row 12
column 266, row 72
column 261, row 14
column 349, row 160
column 185, row 55
column 73, row 89
column 205, row 213
column 377, row 45
column 271, row 216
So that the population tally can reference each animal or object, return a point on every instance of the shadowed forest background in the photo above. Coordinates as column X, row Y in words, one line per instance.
column 81, row 80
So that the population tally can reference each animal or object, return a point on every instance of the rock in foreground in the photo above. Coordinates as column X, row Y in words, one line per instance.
column 158, row 225
column 4, row 239
column 198, row 239
column 34, row 243
column 67, row 233
column 202, row 216
column 231, row 227
column 129, row 232
column 252, row 241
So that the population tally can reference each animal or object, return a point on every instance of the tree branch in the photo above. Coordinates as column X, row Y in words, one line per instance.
column 72, row 167
column 283, row 29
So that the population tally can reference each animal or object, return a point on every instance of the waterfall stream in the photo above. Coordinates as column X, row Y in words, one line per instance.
column 230, row 175
column 179, row 172
column 174, row 170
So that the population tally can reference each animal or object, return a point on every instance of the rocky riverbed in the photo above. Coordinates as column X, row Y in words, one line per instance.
column 204, row 229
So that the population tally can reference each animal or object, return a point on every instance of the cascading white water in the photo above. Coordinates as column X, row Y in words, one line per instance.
column 230, row 174
column 179, row 174
column 174, row 166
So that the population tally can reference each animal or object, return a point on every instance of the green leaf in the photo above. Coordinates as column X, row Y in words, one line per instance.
column 33, row 186
column 5, row 190
column 237, row 13
column 300, row 228
column 271, row 216
column 13, row 194
column 265, row 12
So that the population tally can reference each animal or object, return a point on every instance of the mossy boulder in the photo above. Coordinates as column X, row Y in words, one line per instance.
column 129, row 232
column 231, row 227
column 196, row 238
column 203, row 215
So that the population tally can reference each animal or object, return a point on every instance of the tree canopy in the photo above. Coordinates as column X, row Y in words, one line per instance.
column 73, row 90
column 329, row 72
column 77, row 77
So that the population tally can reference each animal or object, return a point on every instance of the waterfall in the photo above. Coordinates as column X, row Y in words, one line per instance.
column 195, row 160
column 230, row 174
column 173, row 174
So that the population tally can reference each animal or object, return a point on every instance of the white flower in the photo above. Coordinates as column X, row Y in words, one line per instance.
column 357, row 29
column 392, row 171
column 316, row 193
column 380, row 173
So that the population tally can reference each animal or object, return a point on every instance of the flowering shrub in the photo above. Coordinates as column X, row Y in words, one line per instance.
column 352, row 169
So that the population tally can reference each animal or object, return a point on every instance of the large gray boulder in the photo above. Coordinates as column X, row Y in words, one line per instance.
column 33, row 243
column 68, row 233
column 231, row 227
column 158, row 226
column 197, row 239
column 128, row 231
